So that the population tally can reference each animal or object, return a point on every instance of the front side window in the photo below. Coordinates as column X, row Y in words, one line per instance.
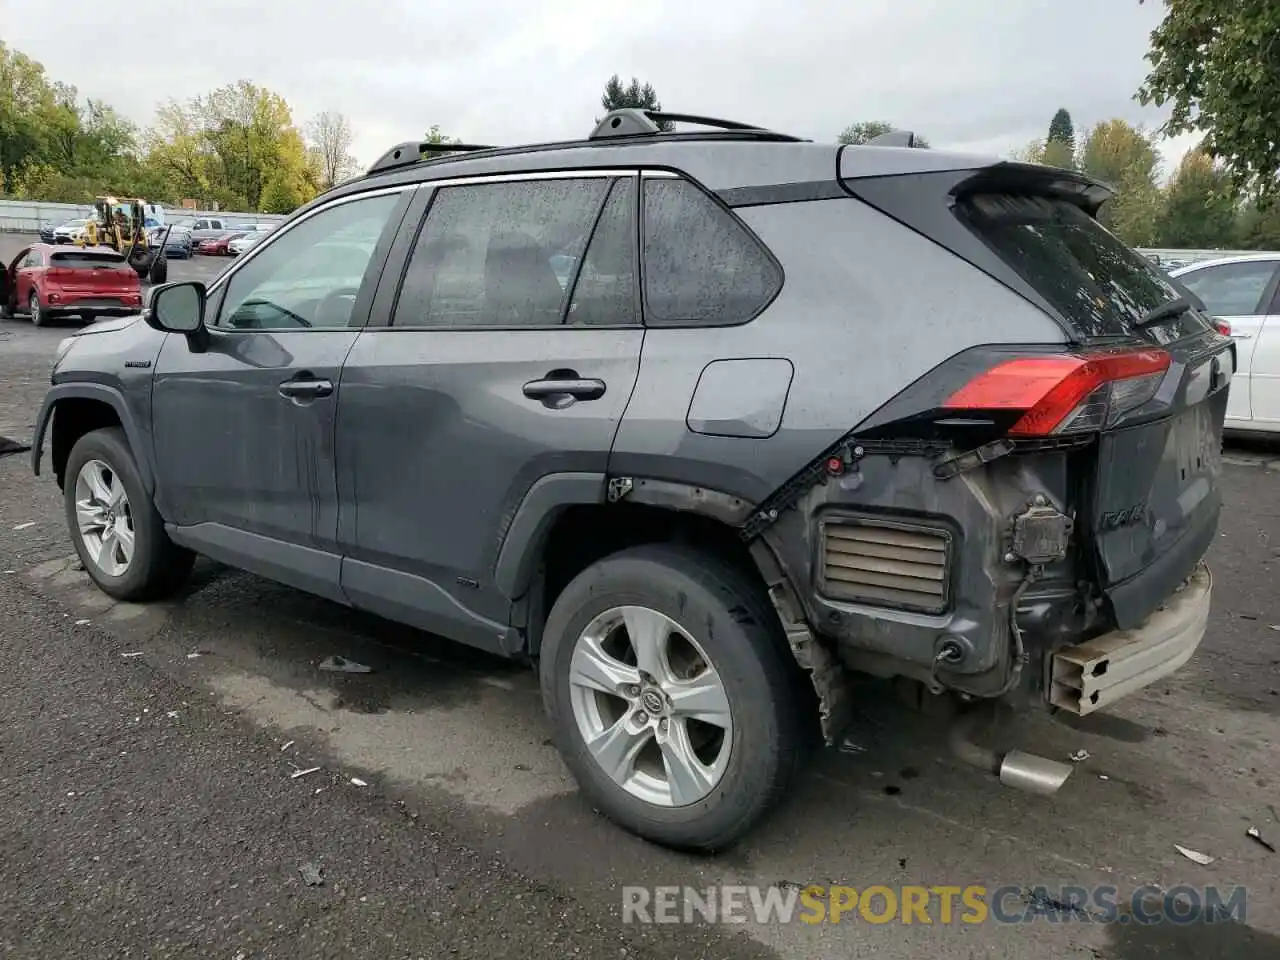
column 1231, row 289
column 499, row 254
column 701, row 266
column 310, row 275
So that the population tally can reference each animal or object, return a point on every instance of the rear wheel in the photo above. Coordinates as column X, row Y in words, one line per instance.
column 37, row 315
column 115, row 527
column 671, row 695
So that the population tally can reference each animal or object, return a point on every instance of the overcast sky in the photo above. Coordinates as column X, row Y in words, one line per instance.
column 982, row 76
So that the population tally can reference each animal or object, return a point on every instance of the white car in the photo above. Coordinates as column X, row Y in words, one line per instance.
column 69, row 232
column 240, row 244
column 1244, row 292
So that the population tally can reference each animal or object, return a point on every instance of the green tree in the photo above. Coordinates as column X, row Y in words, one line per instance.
column 26, row 97
column 1134, row 213
column 868, row 130
column 1199, row 208
column 1125, row 158
column 634, row 95
column 434, row 135
column 1259, row 228
column 1217, row 64
column 1062, row 130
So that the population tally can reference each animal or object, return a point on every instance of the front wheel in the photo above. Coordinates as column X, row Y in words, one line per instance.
column 671, row 695
column 115, row 527
column 160, row 269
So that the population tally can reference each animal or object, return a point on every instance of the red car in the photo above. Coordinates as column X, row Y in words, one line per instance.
column 217, row 246
column 45, row 281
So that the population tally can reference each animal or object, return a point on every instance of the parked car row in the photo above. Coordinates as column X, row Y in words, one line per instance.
column 228, row 241
column 211, row 236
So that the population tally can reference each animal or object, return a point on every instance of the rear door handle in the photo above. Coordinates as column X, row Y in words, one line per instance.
column 578, row 389
column 306, row 389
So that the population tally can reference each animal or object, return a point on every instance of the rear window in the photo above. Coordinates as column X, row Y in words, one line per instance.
column 82, row 260
column 1098, row 284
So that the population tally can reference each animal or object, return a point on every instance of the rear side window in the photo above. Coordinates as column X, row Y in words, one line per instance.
column 85, row 261
column 499, row 254
column 1100, row 285
column 701, row 266
column 1231, row 289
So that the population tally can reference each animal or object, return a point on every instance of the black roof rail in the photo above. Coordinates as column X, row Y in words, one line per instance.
column 893, row 138
column 637, row 122
column 411, row 152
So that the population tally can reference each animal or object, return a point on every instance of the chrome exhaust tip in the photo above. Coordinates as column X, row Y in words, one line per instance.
column 1022, row 771
column 1039, row 775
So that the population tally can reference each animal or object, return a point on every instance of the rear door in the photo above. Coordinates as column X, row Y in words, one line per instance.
column 509, row 352
column 1240, row 293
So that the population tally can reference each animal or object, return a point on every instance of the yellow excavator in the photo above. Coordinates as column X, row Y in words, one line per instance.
column 121, row 224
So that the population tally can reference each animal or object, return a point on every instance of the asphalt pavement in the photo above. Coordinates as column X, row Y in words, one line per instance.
column 152, row 808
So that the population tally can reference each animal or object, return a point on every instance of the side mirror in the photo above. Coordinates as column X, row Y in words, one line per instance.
column 177, row 307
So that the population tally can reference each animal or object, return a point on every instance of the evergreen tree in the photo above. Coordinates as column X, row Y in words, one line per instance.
column 616, row 97
column 1061, row 130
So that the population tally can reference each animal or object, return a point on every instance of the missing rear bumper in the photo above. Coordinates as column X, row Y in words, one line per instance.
column 1098, row 673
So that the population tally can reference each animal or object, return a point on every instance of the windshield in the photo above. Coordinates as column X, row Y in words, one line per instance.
column 1101, row 286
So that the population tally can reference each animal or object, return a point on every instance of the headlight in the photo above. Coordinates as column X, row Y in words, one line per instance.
column 63, row 346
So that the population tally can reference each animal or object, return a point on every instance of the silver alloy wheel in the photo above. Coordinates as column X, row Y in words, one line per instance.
column 36, row 319
column 650, row 706
column 103, row 518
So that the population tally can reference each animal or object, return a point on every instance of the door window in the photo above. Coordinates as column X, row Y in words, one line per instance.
column 308, row 276
column 499, row 254
column 1231, row 289
column 605, row 292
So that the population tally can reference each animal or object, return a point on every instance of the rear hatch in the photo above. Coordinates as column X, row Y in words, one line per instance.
column 92, row 272
column 1149, row 508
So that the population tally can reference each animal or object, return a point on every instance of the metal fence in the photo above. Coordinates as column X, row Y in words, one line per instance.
column 21, row 216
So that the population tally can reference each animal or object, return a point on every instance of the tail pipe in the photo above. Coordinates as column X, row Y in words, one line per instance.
column 1023, row 771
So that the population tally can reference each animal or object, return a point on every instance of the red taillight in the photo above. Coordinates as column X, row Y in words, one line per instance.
column 1065, row 393
column 1222, row 326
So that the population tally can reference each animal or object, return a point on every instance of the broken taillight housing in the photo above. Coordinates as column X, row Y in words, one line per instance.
column 1065, row 393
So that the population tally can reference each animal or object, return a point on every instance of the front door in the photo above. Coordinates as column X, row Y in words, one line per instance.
column 244, row 425
column 505, row 359
column 1238, row 293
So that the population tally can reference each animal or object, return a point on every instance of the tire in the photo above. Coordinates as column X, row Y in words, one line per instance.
column 160, row 269
column 37, row 314
column 729, row 618
column 156, row 566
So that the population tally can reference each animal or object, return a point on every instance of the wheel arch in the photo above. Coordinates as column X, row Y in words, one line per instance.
column 70, row 411
column 568, row 521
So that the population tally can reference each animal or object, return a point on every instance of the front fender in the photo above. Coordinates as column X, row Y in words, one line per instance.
column 103, row 394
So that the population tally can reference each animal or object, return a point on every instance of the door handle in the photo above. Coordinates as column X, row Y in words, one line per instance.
column 305, row 389
column 574, row 388
column 1242, row 336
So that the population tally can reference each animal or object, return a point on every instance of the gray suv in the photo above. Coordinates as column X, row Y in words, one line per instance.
column 704, row 425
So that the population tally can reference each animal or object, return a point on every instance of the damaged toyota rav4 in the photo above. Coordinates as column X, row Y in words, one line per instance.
column 700, row 423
